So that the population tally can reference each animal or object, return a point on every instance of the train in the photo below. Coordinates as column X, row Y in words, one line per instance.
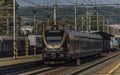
column 6, row 45
column 61, row 45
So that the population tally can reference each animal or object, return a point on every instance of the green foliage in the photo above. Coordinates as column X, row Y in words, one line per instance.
column 5, row 13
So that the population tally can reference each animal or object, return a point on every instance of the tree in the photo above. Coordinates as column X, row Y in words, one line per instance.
column 6, row 13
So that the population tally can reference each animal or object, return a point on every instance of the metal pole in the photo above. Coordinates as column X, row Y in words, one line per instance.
column 103, row 24
column 7, row 26
column 14, row 29
column 35, row 34
column 82, row 24
column 87, row 26
column 43, row 27
column 55, row 12
column 75, row 14
column 35, row 29
column 34, row 12
column 89, row 23
column 97, row 22
column 114, row 29
column 107, row 26
column 48, row 20
column 34, row 25
column 26, row 45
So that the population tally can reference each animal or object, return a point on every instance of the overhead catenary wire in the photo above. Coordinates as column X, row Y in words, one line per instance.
column 85, row 2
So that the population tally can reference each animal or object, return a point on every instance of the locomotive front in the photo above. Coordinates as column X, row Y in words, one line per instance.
column 54, row 46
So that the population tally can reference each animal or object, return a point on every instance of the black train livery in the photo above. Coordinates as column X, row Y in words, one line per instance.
column 61, row 45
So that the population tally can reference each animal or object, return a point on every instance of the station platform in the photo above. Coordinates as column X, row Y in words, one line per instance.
column 117, row 70
column 19, row 60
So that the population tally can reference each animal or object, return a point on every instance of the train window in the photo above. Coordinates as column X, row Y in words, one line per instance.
column 78, row 44
column 54, row 37
column 81, row 44
column 75, row 45
column 72, row 43
column 77, row 41
column 0, row 46
column 68, row 41
column 53, row 40
column 84, row 46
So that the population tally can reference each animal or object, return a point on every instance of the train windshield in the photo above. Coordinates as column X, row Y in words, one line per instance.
column 54, row 37
column 54, row 40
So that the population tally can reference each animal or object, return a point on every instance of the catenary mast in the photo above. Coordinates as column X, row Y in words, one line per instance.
column 55, row 12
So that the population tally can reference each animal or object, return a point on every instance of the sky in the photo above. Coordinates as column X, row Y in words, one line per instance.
column 64, row 2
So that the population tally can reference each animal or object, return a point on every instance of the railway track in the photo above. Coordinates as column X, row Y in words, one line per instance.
column 105, row 61
column 8, row 69
column 69, row 69
column 31, row 69
column 42, row 70
column 39, row 70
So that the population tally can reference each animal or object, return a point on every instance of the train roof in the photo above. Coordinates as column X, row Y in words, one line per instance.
column 104, row 35
column 82, row 34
